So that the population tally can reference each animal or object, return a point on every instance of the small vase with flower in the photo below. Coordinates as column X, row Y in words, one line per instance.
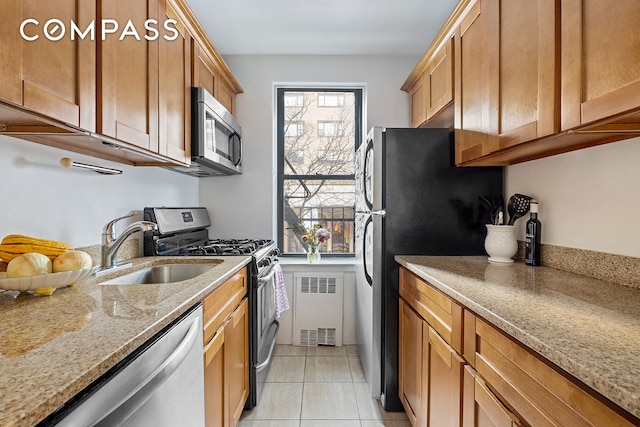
column 314, row 238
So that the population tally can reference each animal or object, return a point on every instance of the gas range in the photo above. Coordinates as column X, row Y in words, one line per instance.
column 184, row 232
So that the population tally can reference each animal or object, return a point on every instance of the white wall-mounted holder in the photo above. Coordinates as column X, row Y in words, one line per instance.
column 66, row 162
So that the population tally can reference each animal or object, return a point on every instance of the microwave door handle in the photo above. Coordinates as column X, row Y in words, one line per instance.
column 237, row 141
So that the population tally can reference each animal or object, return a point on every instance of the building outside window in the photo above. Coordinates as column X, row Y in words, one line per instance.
column 316, row 182
column 294, row 100
column 331, row 100
column 294, row 129
column 331, row 128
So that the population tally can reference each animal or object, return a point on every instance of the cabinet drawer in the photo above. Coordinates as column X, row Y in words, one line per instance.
column 444, row 315
column 481, row 408
column 221, row 302
column 534, row 390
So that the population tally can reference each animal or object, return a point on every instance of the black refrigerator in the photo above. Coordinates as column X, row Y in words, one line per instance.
column 411, row 200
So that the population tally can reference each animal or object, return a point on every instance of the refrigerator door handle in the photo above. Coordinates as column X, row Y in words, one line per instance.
column 364, row 251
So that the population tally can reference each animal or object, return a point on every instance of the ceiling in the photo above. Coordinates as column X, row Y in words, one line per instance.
column 322, row 27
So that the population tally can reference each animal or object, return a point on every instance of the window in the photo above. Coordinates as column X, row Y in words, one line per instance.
column 294, row 129
column 331, row 100
column 294, row 100
column 316, row 182
column 331, row 128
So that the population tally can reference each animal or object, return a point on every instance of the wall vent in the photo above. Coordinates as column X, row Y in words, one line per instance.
column 317, row 285
column 318, row 309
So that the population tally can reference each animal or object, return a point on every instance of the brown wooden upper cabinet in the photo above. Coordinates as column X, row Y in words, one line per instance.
column 600, row 60
column 432, row 89
column 54, row 78
column 174, row 81
column 65, row 83
column 128, row 83
column 506, row 79
column 207, row 74
column 533, row 78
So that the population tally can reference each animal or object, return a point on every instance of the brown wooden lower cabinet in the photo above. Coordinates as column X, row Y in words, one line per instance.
column 226, row 353
column 499, row 382
column 214, row 384
column 430, row 370
column 481, row 407
column 412, row 374
column 536, row 391
column 445, row 383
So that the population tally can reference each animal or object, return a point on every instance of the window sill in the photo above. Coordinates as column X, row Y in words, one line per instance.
column 324, row 261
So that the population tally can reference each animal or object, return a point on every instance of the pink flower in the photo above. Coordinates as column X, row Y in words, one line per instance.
column 305, row 238
column 322, row 235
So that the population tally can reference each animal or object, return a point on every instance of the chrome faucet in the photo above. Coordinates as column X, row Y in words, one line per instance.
column 111, row 243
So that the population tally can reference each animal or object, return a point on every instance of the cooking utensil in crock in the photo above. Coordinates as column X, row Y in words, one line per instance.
column 519, row 205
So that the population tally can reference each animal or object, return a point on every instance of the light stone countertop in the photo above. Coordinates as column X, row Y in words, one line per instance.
column 588, row 327
column 53, row 347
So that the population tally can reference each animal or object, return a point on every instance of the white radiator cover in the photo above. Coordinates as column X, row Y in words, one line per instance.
column 317, row 318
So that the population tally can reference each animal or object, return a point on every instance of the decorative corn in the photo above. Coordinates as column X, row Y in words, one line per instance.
column 14, row 245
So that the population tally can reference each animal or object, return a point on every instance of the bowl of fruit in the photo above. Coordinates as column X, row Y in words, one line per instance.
column 41, row 266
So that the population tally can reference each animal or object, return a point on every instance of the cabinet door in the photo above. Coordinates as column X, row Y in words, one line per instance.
column 412, row 375
column 214, row 380
column 525, row 39
column 206, row 74
column 174, row 80
column 475, row 123
column 203, row 69
column 54, row 78
column 128, row 87
column 236, row 361
column 600, row 60
column 418, row 102
column 445, row 383
column 440, row 76
column 481, row 407
column 226, row 95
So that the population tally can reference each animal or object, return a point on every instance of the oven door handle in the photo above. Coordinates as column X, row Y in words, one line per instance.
column 266, row 362
column 269, row 276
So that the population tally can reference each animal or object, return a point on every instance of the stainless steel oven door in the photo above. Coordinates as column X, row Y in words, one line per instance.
column 266, row 306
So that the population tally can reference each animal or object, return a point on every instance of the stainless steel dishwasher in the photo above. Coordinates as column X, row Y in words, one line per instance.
column 161, row 385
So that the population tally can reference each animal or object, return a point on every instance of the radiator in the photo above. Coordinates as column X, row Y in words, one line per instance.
column 318, row 303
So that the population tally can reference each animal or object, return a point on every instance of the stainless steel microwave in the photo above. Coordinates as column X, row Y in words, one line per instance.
column 216, row 138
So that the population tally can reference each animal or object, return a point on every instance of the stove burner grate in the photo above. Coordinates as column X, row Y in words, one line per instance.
column 226, row 247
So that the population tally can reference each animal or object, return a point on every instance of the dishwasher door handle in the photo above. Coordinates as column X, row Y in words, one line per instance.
column 136, row 397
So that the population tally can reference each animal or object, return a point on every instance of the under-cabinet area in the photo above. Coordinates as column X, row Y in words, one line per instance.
column 510, row 345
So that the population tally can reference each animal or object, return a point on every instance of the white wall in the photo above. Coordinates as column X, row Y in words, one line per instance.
column 589, row 199
column 244, row 205
column 40, row 198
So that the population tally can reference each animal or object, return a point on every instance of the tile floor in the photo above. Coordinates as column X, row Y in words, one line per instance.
column 318, row 387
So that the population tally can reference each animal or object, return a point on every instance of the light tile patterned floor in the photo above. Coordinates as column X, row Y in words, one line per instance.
column 318, row 387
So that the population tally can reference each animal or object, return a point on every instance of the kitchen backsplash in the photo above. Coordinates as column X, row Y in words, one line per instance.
column 131, row 248
column 620, row 269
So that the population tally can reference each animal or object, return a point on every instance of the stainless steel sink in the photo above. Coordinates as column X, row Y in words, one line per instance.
column 165, row 273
